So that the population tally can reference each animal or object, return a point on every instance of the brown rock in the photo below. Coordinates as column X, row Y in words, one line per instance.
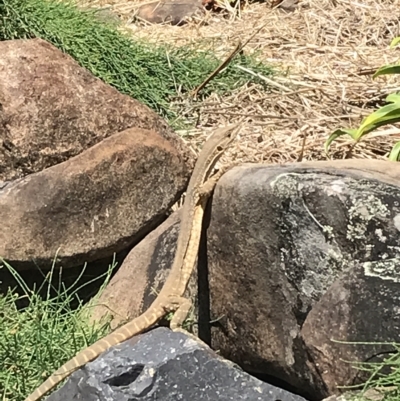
column 52, row 109
column 92, row 205
column 175, row 12
column 142, row 275
column 279, row 237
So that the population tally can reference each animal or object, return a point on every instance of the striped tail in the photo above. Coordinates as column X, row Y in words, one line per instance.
column 90, row 353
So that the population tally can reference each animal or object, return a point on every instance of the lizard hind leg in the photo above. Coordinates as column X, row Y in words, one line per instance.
column 182, row 308
column 179, row 318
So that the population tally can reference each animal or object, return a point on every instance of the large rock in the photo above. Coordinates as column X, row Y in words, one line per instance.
column 279, row 239
column 52, row 109
column 92, row 205
column 141, row 275
column 63, row 184
column 165, row 365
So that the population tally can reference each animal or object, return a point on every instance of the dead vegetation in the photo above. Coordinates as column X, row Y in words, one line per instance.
column 324, row 50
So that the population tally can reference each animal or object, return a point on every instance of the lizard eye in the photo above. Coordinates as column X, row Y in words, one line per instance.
column 220, row 148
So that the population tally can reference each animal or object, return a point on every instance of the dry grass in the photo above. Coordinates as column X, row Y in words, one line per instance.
column 323, row 45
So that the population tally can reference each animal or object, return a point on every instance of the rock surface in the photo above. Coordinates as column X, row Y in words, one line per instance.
column 52, row 109
column 142, row 275
column 92, row 205
column 279, row 238
column 361, row 306
column 165, row 365
column 65, row 182
column 175, row 12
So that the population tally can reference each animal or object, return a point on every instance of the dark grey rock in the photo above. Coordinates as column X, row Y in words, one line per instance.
column 361, row 308
column 165, row 365
column 279, row 238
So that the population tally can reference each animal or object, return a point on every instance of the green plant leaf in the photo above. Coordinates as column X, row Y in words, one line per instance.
column 387, row 69
column 336, row 134
column 388, row 114
column 393, row 98
column 395, row 153
column 395, row 42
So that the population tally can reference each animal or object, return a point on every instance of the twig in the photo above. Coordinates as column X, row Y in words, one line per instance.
column 238, row 49
column 235, row 51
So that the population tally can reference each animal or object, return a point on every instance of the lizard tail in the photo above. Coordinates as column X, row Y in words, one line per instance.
column 90, row 353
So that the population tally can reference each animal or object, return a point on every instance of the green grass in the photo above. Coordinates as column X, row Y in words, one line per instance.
column 38, row 339
column 383, row 383
column 153, row 75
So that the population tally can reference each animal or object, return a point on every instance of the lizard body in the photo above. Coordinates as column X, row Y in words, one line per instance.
column 170, row 297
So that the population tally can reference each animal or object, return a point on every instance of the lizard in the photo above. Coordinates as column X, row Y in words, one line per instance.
column 170, row 298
